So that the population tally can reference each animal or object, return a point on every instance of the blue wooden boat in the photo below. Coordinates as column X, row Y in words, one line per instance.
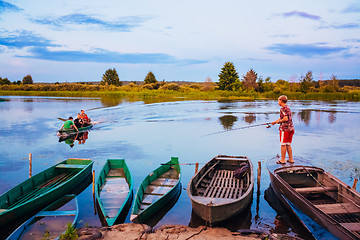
column 52, row 221
column 113, row 191
column 157, row 189
column 43, row 188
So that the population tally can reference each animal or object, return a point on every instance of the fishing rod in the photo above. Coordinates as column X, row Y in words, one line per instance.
column 255, row 125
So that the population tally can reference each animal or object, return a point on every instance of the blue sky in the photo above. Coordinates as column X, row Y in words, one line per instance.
column 178, row 40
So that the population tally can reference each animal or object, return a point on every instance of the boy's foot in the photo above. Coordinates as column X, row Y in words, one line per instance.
column 290, row 161
column 280, row 162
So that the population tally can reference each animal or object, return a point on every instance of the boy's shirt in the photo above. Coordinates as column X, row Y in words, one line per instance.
column 286, row 126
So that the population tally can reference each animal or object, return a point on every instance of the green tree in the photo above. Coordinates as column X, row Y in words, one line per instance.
column 111, row 77
column 249, row 80
column 4, row 81
column 229, row 78
column 27, row 80
column 306, row 82
column 150, row 78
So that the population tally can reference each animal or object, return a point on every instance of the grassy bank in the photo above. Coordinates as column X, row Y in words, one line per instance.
column 189, row 95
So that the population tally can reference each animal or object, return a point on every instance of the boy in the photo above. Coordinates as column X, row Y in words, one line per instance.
column 69, row 124
column 286, row 130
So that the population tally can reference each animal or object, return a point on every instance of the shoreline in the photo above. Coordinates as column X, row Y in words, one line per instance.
column 179, row 232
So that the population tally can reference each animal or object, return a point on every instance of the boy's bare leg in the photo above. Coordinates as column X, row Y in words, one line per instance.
column 283, row 152
column 289, row 151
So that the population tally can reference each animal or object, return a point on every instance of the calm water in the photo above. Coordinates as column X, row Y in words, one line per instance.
column 148, row 134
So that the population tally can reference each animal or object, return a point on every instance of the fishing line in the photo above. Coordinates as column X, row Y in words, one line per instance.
column 256, row 125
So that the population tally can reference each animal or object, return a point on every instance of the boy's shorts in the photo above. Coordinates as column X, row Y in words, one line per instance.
column 286, row 137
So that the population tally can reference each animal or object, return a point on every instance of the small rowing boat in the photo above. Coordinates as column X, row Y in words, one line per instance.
column 71, row 130
column 51, row 221
column 43, row 188
column 113, row 191
column 216, row 194
column 157, row 189
column 327, row 200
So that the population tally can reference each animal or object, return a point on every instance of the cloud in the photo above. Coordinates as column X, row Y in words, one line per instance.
column 23, row 38
column 352, row 9
column 300, row 14
column 124, row 24
column 5, row 6
column 341, row 26
column 101, row 55
column 305, row 50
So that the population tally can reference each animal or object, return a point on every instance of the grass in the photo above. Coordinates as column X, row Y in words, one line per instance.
column 172, row 95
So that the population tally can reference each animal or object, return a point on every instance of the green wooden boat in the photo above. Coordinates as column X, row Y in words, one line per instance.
column 42, row 189
column 52, row 220
column 113, row 191
column 157, row 189
column 68, row 131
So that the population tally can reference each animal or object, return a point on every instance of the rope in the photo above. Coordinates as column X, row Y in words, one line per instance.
column 256, row 125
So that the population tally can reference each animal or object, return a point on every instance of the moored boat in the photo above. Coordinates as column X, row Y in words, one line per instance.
column 216, row 194
column 113, row 191
column 156, row 190
column 43, row 188
column 51, row 221
column 327, row 200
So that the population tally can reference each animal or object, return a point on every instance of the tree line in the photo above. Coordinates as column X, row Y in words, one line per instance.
column 229, row 80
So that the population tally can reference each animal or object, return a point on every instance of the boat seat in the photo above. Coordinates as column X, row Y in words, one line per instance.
column 338, row 208
column 71, row 166
column 316, row 189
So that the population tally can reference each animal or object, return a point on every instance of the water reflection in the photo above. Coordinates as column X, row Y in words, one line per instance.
column 72, row 138
column 239, row 221
column 305, row 116
column 250, row 118
column 285, row 223
column 228, row 121
column 227, row 104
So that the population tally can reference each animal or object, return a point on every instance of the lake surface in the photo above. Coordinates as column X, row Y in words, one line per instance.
column 148, row 134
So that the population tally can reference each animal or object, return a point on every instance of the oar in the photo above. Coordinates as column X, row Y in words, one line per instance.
column 62, row 119
column 256, row 125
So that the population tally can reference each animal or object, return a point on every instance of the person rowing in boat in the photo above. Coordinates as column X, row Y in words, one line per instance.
column 69, row 124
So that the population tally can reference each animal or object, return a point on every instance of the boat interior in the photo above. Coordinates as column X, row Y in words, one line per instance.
column 217, row 179
column 159, row 187
column 328, row 194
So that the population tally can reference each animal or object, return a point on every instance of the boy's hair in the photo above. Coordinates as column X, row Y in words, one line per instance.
column 283, row 98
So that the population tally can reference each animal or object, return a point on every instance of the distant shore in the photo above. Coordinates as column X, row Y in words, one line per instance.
column 173, row 95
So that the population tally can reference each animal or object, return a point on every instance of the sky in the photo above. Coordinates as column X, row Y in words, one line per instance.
column 59, row 41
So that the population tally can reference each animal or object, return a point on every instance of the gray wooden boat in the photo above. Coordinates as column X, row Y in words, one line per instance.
column 325, row 199
column 214, row 191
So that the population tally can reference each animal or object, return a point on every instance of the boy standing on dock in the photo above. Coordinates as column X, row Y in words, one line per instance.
column 286, row 130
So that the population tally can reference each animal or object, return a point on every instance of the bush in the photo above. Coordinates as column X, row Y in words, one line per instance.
column 170, row 86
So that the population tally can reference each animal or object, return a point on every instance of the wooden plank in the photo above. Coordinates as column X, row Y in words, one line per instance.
column 71, row 166
column 56, row 213
column 152, row 189
column 352, row 226
column 231, row 158
column 205, row 174
column 164, row 181
column 338, row 208
column 316, row 189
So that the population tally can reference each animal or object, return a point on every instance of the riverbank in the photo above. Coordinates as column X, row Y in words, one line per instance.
column 169, row 232
column 172, row 95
